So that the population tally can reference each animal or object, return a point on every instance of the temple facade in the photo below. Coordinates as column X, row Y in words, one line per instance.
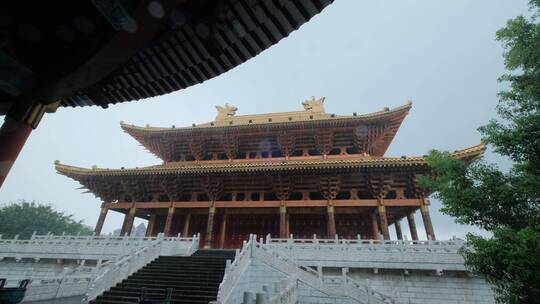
column 303, row 173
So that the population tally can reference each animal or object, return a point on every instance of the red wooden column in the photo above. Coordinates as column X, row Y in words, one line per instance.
column 331, row 224
column 379, row 186
column 399, row 234
column 329, row 187
column 168, row 221
column 210, row 227
column 101, row 220
column 128, row 221
column 222, row 231
column 427, row 221
column 412, row 226
column 374, row 226
column 283, row 222
column 151, row 225
column 282, row 187
column 13, row 136
column 288, row 223
column 21, row 118
column 185, row 231
column 381, row 209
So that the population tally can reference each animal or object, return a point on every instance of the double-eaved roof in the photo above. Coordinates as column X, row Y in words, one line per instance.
column 378, row 127
column 268, row 165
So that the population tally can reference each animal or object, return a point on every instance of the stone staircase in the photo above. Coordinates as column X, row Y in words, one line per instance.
column 193, row 279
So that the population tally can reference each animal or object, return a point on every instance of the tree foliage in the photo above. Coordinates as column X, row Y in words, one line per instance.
column 24, row 218
column 505, row 203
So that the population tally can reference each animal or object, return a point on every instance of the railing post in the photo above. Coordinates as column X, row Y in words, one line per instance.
column 227, row 266
column 261, row 298
column 344, row 272
column 320, row 274
column 369, row 292
column 249, row 298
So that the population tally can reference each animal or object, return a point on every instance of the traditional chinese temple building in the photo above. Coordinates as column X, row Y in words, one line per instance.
column 303, row 173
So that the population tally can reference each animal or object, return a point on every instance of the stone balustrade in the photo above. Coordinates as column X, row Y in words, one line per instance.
column 77, row 247
column 115, row 270
column 282, row 292
column 375, row 254
column 258, row 265
column 60, row 269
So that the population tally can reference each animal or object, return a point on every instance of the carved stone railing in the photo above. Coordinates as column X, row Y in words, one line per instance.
column 286, row 265
column 315, row 279
column 51, row 287
column 110, row 273
column 73, row 247
column 359, row 290
column 424, row 255
column 234, row 270
column 86, row 279
column 282, row 292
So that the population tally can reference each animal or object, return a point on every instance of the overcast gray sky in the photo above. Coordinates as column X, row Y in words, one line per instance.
column 361, row 55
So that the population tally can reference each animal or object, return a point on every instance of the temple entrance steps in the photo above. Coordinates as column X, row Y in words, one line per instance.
column 193, row 279
column 219, row 253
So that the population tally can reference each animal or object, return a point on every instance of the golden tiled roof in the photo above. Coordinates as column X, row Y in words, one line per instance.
column 313, row 112
column 261, row 165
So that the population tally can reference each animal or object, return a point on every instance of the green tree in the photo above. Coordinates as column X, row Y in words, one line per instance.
column 24, row 218
column 507, row 204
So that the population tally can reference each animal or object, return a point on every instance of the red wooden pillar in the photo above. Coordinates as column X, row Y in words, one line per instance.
column 168, row 221
column 13, row 135
column 399, row 234
column 331, row 224
column 427, row 221
column 412, row 226
column 210, row 227
column 288, row 223
column 151, row 225
column 101, row 220
column 128, row 221
column 223, row 230
column 185, row 231
column 22, row 117
column 283, row 223
column 383, row 221
column 374, row 226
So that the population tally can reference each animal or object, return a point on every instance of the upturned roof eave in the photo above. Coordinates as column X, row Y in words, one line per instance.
column 470, row 153
column 369, row 117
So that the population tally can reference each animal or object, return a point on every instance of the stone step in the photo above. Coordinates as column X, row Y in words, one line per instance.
column 161, row 292
column 184, row 269
column 130, row 297
column 167, row 278
column 179, row 278
column 193, row 279
column 173, row 286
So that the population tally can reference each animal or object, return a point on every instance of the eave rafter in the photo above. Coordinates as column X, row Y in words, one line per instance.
column 377, row 176
column 293, row 164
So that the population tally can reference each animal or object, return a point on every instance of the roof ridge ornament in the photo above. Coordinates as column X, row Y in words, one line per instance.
column 228, row 111
column 314, row 105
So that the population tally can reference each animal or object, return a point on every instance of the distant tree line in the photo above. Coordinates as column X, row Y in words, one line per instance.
column 24, row 218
